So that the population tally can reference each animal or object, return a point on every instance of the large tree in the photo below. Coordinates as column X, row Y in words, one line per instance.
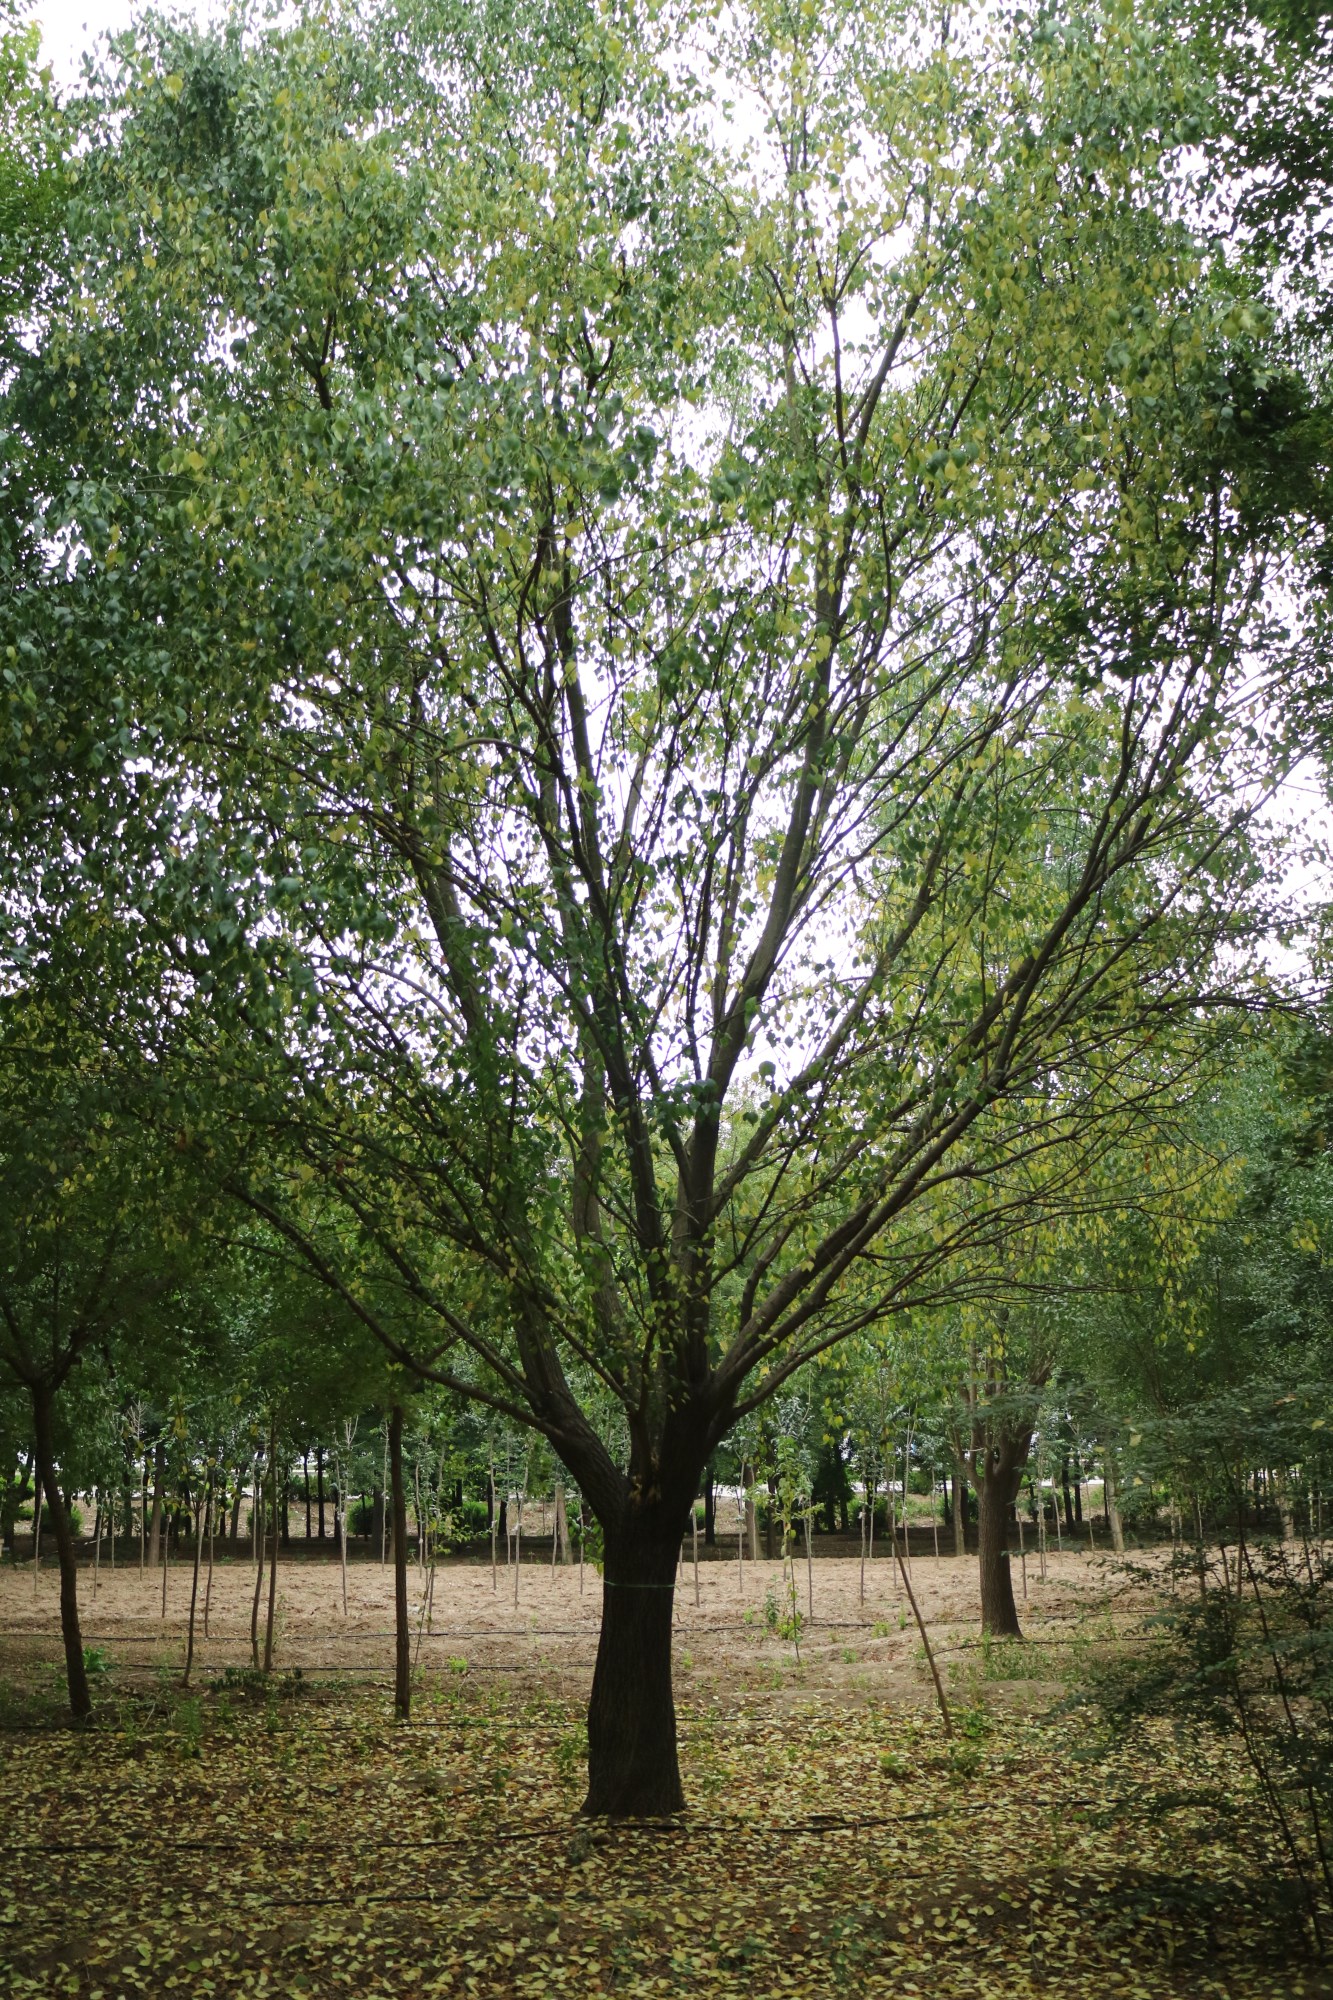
column 691, row 581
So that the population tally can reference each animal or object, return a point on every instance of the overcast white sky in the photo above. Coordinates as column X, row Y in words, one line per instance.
column 68, row 26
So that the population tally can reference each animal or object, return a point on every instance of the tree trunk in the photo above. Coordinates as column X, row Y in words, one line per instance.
column 1112, row 1505
column 402, row 1676
column 633, row 1768
column 257, row 1538
column 319, row 1479
column 305, row 1472
column 159, row 1480
column 340, row 1525
column 377, row 1522
column 999, row 1612
column 194, row 1590
column 710, row 1511
column 959, row 1514
column 76, row 1674
column 235, row 1535
column 279, row 1516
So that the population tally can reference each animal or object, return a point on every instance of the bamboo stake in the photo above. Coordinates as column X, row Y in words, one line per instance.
column 863, row 1542
column 495, row 1529
column 930, row 1657
column 907, row 1482
column 518, row 1538
column 384, row 1504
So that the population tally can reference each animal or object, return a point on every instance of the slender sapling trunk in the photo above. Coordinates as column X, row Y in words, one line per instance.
column 402, row 1685
column 76, row 1673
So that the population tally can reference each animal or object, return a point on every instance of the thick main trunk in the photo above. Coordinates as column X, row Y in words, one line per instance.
column 633, row 1768
column 999, row 1612
column 76, row 1674
column 402, row 1673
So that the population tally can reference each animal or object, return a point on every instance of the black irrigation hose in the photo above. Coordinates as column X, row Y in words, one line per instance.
column 815, row 1823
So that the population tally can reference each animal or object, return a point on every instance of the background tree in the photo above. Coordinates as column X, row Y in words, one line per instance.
column 93, row 1244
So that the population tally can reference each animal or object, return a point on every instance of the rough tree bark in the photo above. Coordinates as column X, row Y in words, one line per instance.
column 997, row 1473
column 76, row 1675
column 633, row 1767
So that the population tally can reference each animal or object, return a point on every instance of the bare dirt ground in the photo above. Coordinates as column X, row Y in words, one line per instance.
column 540, row 1623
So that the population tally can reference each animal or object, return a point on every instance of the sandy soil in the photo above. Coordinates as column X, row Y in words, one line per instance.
column 541, row 1624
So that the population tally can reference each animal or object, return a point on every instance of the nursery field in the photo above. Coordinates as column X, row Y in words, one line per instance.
column 289, row 1837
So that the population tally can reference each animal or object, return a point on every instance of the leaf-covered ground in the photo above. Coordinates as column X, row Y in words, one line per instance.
column 295, row 1841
